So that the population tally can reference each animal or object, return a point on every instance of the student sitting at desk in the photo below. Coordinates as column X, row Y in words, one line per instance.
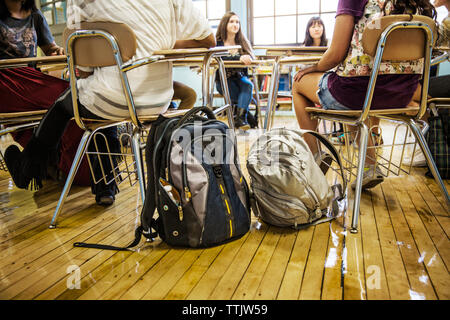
column 22, row 29
column 345, row 87
column 241, row 88
column 315, row 35
column 157, row 25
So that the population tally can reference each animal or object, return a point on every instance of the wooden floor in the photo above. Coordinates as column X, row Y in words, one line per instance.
column 401, row 252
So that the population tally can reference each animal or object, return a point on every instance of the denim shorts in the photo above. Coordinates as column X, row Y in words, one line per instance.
column 327, row 101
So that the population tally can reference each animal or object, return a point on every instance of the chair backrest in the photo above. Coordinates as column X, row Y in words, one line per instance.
column 402, row 44
column 97, row 51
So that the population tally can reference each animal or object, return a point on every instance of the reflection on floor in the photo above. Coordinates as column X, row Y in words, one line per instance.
column 401, row 252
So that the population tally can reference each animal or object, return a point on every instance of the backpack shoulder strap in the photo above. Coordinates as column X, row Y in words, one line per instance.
column 148, row 209
column 333, row 152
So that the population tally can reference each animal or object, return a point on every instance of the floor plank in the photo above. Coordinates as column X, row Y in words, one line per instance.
column 396, row 275
column 417, row 275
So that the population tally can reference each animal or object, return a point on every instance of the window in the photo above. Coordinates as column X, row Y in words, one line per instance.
column 284, row 21
column 54, row 11
column 213, row 10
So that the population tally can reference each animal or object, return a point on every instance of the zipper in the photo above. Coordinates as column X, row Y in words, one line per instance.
column 217, row 169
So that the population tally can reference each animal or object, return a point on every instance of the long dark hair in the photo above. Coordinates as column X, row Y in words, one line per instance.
column 26, row 5
column 241, row 39
column 420, row 7
column 309, row 41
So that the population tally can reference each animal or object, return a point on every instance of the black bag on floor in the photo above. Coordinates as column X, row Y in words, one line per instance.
column 194, row 182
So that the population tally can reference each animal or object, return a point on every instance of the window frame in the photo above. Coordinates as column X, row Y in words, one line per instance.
column 51, row 4
column 251, row 24
column 227, row 7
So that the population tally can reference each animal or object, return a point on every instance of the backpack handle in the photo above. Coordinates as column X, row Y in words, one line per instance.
column 209, row 113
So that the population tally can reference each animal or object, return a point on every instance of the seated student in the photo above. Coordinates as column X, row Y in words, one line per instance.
column 315, row 35
column 22, row 29
column 157, row 24
column 229, row 33
column 345, row 87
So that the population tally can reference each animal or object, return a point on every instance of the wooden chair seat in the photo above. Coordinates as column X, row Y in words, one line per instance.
column 144, row 119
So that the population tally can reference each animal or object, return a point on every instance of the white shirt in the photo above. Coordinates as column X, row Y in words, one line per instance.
column 157, row 25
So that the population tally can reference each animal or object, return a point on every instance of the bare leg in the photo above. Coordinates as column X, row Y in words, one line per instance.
column 304, row 95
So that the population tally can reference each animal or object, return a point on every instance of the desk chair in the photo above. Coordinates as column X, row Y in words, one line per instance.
column 101, row 44
column 399, row 38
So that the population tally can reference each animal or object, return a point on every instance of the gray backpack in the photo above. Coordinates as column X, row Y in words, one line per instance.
column 288, row 187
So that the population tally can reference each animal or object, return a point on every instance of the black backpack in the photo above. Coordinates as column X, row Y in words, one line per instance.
column 194, row 182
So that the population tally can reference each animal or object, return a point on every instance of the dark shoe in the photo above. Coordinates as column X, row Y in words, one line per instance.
column 29, row 167
column 105, row 194
column 240, row 121
column 252, row 120
column 13, row 163
column 239, row 124
column 105, row 200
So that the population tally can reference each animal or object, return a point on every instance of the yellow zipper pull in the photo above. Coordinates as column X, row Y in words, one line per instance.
column 180, row 213
column 187, row 194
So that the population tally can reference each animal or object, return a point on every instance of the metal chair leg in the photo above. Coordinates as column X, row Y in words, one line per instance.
column 364, row 133
column 226, row 93
column 272, row 99
column 431, row 164
column 136, row 145
column 73, row 170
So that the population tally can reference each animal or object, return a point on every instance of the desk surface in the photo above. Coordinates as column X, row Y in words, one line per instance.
column 194, row 51
column 290, row 50
column 23, row 62
column 197, row 62
column 300, row 59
